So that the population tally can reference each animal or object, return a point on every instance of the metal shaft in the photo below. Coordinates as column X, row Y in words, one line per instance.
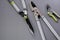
column 50, row 27
column 39, row 27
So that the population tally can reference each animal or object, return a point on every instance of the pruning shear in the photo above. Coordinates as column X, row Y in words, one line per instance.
column 52, row 13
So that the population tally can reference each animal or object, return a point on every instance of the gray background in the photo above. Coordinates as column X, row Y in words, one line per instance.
column 14, row 27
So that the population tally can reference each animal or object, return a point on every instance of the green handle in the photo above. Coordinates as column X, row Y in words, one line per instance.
column 25, row 17
column 53, row 17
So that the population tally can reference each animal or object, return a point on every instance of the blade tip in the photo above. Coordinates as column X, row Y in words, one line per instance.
column 32, row 3
column 48, row 7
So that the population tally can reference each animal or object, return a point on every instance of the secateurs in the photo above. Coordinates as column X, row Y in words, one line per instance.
column 52, row 13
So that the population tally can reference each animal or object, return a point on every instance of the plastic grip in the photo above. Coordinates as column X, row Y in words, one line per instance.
column 53, row 17
column 12, row 2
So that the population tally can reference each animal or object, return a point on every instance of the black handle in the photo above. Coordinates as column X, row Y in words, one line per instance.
column 27, row 20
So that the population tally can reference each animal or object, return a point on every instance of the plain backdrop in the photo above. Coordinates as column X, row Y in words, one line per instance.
column 14, row 27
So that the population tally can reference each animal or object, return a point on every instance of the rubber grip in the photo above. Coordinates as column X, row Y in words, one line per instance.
column 53, row 17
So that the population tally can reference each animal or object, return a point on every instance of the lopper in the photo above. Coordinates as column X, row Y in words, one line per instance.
column 23, row 13
column 37, row 13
